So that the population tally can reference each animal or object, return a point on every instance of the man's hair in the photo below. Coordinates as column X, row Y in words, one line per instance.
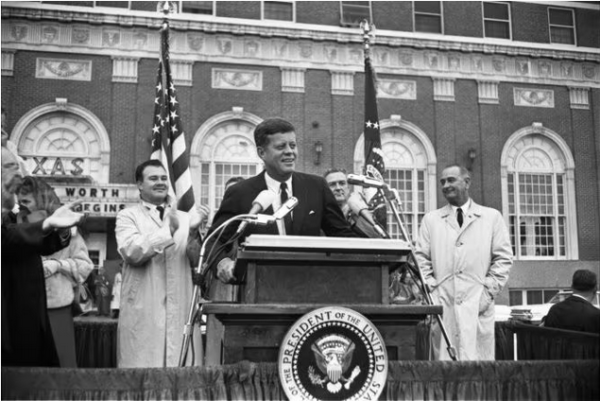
column 269, row 127
column 233, row 180
column 335, row 170
column 139, row 170
column 44, row 195
column 463, row 169
column 584, row 281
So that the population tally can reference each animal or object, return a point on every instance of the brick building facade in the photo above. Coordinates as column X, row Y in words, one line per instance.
column 510, row 89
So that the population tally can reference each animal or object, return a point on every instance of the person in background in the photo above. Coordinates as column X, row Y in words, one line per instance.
column 350, row 202
column 26, row 334
column 157, row 288
column 577, row 311
column 64, row 270
column 465, row 255
column 219, row 291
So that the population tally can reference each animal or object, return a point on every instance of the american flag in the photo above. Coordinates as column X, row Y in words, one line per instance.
column 374, row 165
column 168, row 138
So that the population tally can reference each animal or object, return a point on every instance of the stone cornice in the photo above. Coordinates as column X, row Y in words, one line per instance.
column 330, row 48
column 295, row 31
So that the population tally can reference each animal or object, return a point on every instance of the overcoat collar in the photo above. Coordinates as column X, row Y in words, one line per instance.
column 471, row 215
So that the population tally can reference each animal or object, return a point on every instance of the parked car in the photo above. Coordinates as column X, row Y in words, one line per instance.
column 502, row 313
column 536, row 312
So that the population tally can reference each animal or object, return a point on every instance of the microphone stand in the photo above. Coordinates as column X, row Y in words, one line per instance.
column 390, row 197
column 196, row 312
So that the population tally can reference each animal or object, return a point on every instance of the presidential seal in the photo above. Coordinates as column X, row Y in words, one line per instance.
column 333, row 353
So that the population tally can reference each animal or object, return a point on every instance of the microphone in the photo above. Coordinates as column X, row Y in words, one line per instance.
column 364, row 181
column 286, row 208
column 360, row 208
column 260, row 203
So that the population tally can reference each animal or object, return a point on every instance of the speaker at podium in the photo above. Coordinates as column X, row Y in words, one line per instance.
column 285, row 277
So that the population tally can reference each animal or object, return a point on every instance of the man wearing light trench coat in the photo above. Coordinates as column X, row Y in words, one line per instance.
column 465, row 266
column 156, row 290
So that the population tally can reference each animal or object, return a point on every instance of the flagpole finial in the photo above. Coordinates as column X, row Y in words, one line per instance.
column 368, row 30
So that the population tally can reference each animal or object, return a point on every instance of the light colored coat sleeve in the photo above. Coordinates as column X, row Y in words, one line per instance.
column 423, row 252
column 137, row 246
column 77, row 265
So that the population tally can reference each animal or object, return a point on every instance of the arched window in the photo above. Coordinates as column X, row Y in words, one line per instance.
column 539, row 194
column 222, row 148
column 410, row 161
column 63, row 139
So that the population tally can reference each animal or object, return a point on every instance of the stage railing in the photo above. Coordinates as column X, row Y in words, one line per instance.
column 413, row 380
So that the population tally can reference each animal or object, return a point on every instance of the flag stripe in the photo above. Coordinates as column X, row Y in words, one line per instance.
column 168, row 137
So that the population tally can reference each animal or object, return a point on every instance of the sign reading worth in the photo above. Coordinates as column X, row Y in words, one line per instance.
column 333, row 353
column 104, row 200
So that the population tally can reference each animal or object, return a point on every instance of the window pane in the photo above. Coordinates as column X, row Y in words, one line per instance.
column 497, row 29
column 562, row 35
column 428, row 23
column 561, row 17
column 428, row 6
column 515, row 297
column 279, row 10
column 225, row 171
column 197, row 7
column 548, row 294
column 495, row 11
column 534, row 297
column 117, row 4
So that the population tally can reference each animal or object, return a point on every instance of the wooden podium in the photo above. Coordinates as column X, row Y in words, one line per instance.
column 285, row 277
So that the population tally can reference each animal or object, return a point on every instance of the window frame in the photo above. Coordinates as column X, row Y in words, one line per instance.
column 349, row 24
column 554, row 216
column 484, row 19
column 441, row 15
column 573, row 27
column 262, row 10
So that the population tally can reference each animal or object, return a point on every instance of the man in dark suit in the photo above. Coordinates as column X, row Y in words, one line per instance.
column 316, row 210
column 577, row 312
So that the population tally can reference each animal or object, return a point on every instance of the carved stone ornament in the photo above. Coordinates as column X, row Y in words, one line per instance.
column 111, row 38
column 49, row 34
column 195, row 41
column 499, row 64
column 140, row 39
column 76, row 70
column 397, row 89
column 306, row 50
column 80, row 35
column 225, row 45
column 405, row 58
column 223, row 78
column 19, row 32
column 251, row 48
column 522, row 67
column 533, row 97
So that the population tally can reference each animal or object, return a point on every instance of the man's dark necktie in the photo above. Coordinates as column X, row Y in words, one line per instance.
column 459, row 217
column 161, row 211
column 287, row 220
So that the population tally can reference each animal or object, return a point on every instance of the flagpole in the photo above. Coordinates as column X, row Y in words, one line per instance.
column 390, row 197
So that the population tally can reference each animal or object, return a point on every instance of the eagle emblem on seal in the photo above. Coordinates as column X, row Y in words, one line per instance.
column 333, row 356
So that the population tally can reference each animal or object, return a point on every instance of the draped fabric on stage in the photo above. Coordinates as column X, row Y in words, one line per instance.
column 418, row 380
